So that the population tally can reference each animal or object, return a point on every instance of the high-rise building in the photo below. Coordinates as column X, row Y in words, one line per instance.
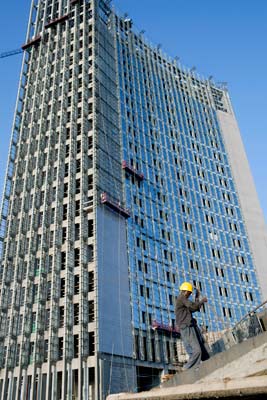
column 126, row 176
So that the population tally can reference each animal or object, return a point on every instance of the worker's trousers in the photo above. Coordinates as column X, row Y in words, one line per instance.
column 193, row 346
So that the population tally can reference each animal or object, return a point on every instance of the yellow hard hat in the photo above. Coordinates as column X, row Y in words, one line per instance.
column 186, row 286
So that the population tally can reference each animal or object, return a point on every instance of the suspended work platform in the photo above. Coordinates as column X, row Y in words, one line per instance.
column 114, row 206
column 138, row 175
column 32, row 42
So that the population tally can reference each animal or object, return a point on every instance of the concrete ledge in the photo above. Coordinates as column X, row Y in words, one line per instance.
column 238, row 372
column 217, row 361
column 245, row 388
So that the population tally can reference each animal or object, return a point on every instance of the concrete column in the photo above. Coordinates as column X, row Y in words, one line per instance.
column 10, row 386
column 85, row 380
column 69, row 382
column 24, row 385
column 33, row 389
column 54, row 383
column 40, row 384
column 48, row 383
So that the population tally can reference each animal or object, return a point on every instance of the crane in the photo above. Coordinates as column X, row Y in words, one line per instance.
column 11, row 53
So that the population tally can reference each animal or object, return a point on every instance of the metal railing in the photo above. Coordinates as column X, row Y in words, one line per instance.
column 252, row 324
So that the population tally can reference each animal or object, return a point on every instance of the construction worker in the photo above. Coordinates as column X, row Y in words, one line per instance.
column 190, row 334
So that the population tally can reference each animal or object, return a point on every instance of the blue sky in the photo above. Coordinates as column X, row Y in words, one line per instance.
column 225, row 39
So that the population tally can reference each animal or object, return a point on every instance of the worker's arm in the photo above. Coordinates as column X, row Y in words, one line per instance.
column 193, row 305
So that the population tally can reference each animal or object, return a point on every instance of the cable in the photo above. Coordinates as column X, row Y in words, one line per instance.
column 111, row 365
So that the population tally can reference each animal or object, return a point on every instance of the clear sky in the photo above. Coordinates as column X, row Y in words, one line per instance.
column 226, row 39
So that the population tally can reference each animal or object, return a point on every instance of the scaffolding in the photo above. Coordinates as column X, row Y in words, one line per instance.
column 35, row 331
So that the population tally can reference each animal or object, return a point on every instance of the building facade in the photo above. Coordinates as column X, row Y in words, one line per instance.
column 122, row 182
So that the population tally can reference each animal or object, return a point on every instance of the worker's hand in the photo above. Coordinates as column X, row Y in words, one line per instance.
column 204, row 299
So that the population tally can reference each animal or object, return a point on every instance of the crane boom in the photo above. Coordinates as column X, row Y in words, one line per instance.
column 11, row 53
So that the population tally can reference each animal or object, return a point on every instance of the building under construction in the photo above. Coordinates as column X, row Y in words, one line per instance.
column 126, row 176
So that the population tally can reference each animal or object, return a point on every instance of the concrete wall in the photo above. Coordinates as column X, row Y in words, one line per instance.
column 250, row 205
column 114, row 312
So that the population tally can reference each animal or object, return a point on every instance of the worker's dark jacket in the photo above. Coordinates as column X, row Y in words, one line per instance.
column 184, row 309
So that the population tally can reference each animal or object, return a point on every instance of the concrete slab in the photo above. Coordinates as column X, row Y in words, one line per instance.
column 239, row 372
column 228, row 389
column 221, row 361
